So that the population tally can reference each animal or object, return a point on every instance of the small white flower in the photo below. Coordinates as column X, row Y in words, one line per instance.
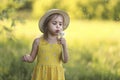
column 61, row 34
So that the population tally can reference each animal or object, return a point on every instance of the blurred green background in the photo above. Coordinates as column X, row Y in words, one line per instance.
column 93, row 37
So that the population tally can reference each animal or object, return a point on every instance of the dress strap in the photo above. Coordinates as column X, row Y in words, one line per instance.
column 42, row 40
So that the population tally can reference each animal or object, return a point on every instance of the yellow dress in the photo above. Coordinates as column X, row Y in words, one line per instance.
column 49, row 64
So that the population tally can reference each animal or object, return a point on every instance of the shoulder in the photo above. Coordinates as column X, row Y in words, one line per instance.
column 37, row 40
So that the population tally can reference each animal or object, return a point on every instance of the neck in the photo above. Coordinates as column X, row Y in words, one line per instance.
column 51, row 38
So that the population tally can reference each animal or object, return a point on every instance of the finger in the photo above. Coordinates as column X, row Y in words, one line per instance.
column 25, row 58
column 28, row 57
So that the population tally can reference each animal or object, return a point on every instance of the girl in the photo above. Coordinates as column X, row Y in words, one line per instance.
column 50, row 50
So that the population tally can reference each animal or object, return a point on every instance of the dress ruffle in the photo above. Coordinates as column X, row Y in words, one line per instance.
column 48, row 72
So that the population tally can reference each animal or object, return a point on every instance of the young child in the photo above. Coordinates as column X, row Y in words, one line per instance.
column 50, row 49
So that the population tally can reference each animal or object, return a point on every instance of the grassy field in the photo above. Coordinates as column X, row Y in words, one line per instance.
column 94, row 50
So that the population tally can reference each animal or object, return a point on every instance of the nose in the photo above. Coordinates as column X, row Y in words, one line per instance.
column 57, row 26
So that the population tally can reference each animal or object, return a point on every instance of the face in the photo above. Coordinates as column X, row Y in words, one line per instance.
column 55, row 25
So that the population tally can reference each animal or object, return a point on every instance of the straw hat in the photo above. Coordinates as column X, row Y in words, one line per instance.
column 50, row 12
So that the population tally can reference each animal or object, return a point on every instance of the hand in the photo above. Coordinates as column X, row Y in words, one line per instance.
column 62, row 41
column 26, row 58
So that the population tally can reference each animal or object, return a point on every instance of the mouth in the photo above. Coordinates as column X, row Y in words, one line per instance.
column 57, row 31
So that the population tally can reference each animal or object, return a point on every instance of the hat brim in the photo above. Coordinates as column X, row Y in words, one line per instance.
column 50, row 12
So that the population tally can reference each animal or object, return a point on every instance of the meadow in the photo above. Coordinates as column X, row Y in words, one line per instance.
column 94, row 51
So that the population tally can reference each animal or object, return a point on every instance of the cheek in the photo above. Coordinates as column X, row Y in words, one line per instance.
column 51, row 25
column 51, row 28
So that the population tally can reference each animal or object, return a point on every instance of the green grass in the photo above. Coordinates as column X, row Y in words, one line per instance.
column 93, row 50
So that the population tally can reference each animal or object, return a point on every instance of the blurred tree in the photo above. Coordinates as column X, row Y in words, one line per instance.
column 41, row 6
column 81, row 9
column 116, row 14
column 9, row 10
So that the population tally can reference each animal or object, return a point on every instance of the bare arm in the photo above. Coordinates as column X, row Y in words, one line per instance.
column 64, row 51
column 32, row 56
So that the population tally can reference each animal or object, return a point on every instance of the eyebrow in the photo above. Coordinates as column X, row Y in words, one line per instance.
column 56, row 21
column 61, row 22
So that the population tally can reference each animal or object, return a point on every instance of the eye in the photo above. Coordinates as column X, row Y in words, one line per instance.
column 60, row 24
column 54, row 23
